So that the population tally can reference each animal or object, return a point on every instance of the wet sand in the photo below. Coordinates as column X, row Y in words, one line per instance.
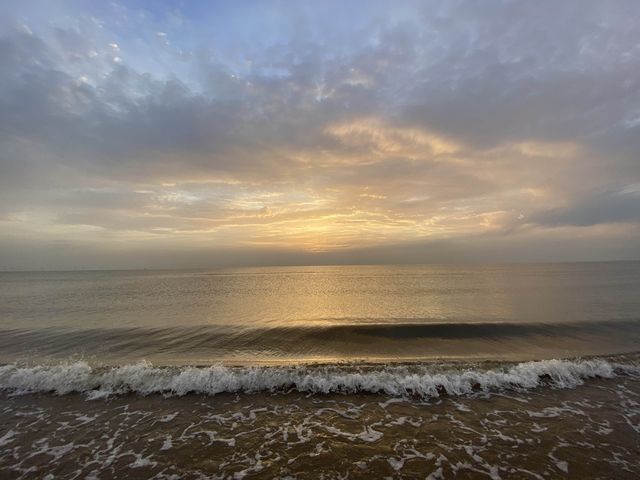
column 592, row 431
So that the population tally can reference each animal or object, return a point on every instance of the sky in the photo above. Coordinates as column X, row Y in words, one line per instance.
column 149, row 134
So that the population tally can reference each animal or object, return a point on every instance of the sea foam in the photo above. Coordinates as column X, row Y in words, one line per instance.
column 422, row 380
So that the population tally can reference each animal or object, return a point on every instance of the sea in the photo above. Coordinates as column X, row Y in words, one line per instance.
column 328, row 372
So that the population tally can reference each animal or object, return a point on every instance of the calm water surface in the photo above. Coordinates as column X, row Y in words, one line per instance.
column 322, row 313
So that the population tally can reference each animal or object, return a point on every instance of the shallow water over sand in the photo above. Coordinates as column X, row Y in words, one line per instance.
column 591, row 431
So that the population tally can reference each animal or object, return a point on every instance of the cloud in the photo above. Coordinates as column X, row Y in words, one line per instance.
column 287, row 127
column 601, row 208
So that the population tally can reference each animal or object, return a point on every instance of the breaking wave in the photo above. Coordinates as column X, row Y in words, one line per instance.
column 421, row 380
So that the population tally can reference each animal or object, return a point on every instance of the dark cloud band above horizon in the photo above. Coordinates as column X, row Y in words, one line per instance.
column 320, row 130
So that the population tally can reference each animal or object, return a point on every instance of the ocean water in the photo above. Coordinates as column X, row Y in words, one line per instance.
column 497, row 371
column 294, row 314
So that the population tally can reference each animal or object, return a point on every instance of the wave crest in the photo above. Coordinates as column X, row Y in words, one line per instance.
column 422, row 380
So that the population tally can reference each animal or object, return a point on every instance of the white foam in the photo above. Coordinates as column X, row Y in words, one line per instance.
column 7, row 438
column 421, row 380
column 167, row 444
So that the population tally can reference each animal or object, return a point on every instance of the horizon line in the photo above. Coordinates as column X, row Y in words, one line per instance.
column 239, row 266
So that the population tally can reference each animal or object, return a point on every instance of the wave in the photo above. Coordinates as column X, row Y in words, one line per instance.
column 421, row 380
column 338, row 331
column 418, row 328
